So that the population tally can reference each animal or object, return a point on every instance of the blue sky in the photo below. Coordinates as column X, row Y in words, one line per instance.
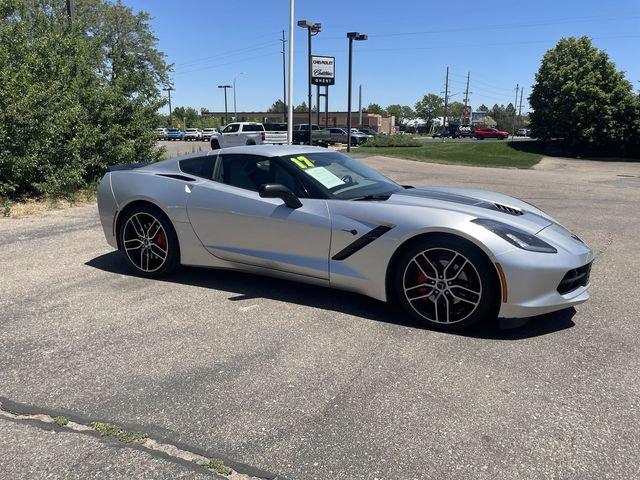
column 410, row 44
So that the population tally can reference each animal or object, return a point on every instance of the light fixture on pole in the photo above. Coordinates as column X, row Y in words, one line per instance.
column 312, row 30
column 235, row 107
column 357, row 37
column 226, row 114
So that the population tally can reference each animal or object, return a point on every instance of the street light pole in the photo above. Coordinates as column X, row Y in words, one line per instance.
column 235, row 108
column 226, row 114
column 358, row 37
column 312, row 30
column 284, row 80
column 289, row 99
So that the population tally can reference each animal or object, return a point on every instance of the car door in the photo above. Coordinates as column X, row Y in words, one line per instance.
column 230, row 135
column 235, row 224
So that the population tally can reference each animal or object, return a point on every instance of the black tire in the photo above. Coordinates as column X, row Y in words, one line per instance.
column 446, row 282
column 215, row 145
column 251, row 142
column 144, row 233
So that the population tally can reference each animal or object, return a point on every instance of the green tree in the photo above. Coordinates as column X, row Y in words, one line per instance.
column 487, row 121
column 84, row 96
column 580, row 96
column 455, row 110
column 190, row 114
column 301, row 108
column 277, row 107
column 375, row 108
column 430, row 106
column 401, row 112
column 483, row 108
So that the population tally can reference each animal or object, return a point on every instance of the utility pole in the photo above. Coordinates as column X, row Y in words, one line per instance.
column 226, row 113
column 360, row 106
column 446, row 101
column 520, row 109
column 466, row 98
column 284, row 79
column 168, row 89
column 71, row 11
column 513, row 130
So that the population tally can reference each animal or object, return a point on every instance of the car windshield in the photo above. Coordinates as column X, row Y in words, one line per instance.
column 342, row 177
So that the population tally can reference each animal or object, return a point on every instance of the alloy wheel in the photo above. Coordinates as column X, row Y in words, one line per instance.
column 145, row 242
column 442, row 285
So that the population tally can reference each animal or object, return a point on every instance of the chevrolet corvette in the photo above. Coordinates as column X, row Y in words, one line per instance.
column 450, row 257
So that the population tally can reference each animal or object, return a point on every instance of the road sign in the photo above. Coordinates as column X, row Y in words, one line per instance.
column 323, row 70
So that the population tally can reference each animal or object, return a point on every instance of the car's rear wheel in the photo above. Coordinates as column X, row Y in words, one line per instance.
column 215, row 145
column 149, row 241
column 446, row 282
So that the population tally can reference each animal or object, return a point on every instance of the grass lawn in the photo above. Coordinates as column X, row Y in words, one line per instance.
column 487, row 153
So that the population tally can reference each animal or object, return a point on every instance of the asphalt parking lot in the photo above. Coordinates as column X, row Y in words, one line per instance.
column 311, row 383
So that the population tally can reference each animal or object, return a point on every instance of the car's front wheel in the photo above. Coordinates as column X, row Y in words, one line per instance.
column 446, row 282
column 149, row 241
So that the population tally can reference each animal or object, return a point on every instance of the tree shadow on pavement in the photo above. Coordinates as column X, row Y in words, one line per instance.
column 245, row 286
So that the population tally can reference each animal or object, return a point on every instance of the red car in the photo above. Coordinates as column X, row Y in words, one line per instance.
column 482, row 133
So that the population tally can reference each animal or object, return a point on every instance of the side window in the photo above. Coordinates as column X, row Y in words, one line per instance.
column 233, row 128
column 199, row 166
column 252, row 128
column 251, row 171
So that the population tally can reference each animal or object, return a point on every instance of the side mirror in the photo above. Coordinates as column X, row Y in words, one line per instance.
column 276, row 190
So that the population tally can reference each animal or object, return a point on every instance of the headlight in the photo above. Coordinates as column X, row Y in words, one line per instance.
column 516, row 237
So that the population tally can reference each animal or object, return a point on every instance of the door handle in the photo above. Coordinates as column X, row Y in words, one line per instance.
column 352, row 232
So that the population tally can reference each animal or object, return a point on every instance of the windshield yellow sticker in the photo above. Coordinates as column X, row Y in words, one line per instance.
column 302, row 161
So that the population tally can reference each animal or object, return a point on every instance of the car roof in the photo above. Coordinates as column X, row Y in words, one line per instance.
column 273, row 150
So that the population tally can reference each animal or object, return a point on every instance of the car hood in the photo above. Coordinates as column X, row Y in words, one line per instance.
column 477, row 203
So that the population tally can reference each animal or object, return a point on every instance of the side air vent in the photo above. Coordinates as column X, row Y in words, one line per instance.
column 177, row 176
column 509, row 210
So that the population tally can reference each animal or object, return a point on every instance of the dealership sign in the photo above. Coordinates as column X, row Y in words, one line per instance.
column 323, row 70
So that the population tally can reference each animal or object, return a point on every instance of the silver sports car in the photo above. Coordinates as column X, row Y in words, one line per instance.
column 450, row 257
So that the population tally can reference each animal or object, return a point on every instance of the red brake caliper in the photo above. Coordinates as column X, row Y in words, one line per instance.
column 422, row 278
column 161, row 241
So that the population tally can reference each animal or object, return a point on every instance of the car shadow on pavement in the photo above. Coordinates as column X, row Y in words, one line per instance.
column 245, row 286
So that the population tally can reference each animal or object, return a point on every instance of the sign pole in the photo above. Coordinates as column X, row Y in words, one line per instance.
column 326, row 107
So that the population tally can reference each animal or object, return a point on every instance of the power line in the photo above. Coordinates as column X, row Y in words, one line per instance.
column 229, row 53
column 508, row 26
column 209, row 67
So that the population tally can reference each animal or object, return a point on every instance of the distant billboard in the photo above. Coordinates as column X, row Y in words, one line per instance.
column 477, row 116
column 323, row 70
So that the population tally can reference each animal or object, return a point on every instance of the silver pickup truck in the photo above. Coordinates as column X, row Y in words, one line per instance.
column 246, row 133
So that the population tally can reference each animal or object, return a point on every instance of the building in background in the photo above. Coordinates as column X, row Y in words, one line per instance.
column 380, row 123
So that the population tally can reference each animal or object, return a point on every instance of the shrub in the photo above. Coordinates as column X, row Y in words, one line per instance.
column 392, row 141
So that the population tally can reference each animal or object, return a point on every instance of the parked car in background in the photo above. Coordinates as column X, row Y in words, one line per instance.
column 207, row 133
column 319, row 136
column 357, row 131
column 275, row 133
column 161, row 133
column 193, row 134
column 523, row 132
column 175, row 134
column 370, row 131
column 339, row 135
column 246, row 133
column 481, row 133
